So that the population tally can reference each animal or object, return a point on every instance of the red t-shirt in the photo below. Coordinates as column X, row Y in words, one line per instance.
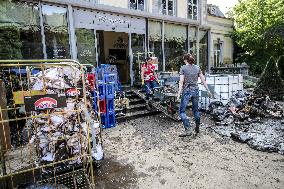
column 149, row 72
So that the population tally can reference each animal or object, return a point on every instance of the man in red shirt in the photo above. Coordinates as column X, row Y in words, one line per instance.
column 149, row 76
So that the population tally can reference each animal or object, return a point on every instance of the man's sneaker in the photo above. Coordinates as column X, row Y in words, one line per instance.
column 186, row 133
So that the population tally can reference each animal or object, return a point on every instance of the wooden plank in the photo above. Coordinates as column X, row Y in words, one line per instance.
column 4, row 127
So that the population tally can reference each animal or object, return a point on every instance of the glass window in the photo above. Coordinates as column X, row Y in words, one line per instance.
column 56, row 31
column 155, row 41
column 203, row 50
column 192, row 40
column 175, row 45
column 20, row 36
column 168, row 7
column 192, row 9
column 137, row 4
column 86, row 46
column 138, row 50
column 217, row 54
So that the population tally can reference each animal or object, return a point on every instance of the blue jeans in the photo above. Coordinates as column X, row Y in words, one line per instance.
column 150, row 85
column 190, row 93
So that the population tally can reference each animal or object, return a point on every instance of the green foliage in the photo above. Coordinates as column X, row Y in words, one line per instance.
column 270, row 82
column 248, row 84
column 258, row 31
column 280, row 64
column 10, row 41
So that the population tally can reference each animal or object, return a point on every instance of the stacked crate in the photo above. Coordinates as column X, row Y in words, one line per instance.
column 223, row 87
column 106, row 82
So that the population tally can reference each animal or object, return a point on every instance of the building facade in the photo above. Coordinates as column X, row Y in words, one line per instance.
column 120, row 32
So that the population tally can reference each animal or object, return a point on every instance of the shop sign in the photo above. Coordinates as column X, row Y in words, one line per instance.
column 73, row 92
column 43, row 102
column 113, row 21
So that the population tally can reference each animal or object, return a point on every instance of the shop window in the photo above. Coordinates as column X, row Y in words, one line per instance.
column 155, row 41
column 175, row 46
column 20, row 36
column 203, row 50
column 56, row 32
column 138, row 50
column 137, row 4
column 168, row 7
column 217, row 54
column 192, row 40
column 192, row 9
column 86, row 46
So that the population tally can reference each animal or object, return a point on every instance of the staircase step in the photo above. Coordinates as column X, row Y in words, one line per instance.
column 138, row 101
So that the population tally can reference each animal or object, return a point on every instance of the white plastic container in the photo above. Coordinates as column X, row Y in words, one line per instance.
column 223, row 87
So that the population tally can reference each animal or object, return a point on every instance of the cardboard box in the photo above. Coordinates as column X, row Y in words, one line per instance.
column 19, row 96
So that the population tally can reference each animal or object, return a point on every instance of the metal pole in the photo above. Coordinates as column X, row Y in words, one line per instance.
column 163, row 45
column 197, row 47
column 42, row 31
column 72, row 36
column 130, row 60
column 209, row 51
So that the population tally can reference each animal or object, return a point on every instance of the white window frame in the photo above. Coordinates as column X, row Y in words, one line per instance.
column 136, row 3
column 191, row 16
column 167, row 7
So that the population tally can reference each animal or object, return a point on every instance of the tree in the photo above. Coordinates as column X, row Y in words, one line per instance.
column 280, row 64
column 10, row 41
column 270, row 82
column 255, row 21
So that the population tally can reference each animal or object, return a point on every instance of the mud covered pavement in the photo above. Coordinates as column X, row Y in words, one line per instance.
column 147, row 153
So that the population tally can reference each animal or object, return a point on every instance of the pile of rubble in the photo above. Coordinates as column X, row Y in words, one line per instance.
column 257, row 121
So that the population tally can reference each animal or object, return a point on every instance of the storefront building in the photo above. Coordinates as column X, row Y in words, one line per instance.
column 119, row 32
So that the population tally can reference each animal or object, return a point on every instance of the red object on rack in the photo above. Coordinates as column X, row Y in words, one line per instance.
column 92, row 81
column 102, row 104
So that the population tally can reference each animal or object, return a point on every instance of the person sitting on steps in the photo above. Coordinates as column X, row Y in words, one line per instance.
column 148, row 76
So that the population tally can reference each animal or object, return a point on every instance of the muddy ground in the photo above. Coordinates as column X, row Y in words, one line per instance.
column 147, row 153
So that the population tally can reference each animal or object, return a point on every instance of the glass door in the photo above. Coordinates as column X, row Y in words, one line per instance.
column 86, row 46
column 138, row 57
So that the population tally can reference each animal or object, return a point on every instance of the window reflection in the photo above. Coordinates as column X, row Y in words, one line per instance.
column 203, row 50
column 138, row 50
column 20, row 36
column 192, row 40
column 56, row 31
column 155, row 41
column 175, row 45
column 86, row 46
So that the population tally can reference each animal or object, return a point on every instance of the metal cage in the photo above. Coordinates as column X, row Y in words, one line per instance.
column 49, row 132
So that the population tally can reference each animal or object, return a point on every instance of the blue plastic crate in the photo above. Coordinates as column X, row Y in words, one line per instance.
column 99, row 74
column 104, row 121
column 111, row 77
column 102, row 91
column 109, row 90
column 110, row 105
column 111, row 119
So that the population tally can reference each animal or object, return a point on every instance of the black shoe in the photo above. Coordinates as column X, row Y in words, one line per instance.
column 197, row 125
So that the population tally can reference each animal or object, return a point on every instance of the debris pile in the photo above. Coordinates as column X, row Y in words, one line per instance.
column 63, row 132
column 243, row 109
column 257, row 121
